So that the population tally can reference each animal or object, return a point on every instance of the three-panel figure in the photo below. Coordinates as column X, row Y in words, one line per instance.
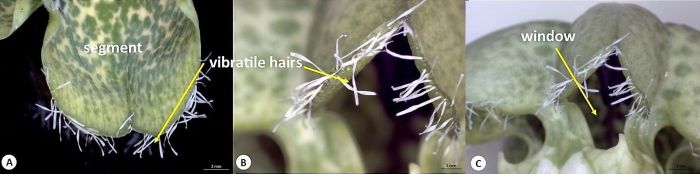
column 350, row 86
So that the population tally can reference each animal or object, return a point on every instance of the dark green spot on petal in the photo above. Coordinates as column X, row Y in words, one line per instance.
column 670, row 94
column 285, row 27
column 682, row 70
column 543, row 50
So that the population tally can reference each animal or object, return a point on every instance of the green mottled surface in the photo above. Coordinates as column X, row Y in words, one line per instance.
column 13, row 13
column 105, row 90
column 679, row 92
column 509, row 73
column 257, row 32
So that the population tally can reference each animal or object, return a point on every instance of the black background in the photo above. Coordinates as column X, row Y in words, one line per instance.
column 24, row 134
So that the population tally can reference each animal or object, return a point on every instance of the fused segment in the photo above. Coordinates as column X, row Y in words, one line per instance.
column 438, row 27
column 641, row 52
column 103, row 90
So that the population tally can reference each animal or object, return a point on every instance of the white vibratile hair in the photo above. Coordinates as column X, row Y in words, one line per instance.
column 60, row 121
column 306, row 92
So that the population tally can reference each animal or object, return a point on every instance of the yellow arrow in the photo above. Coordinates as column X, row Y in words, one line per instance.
column 178, row 104
column 576, row 81
column 326, row 74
